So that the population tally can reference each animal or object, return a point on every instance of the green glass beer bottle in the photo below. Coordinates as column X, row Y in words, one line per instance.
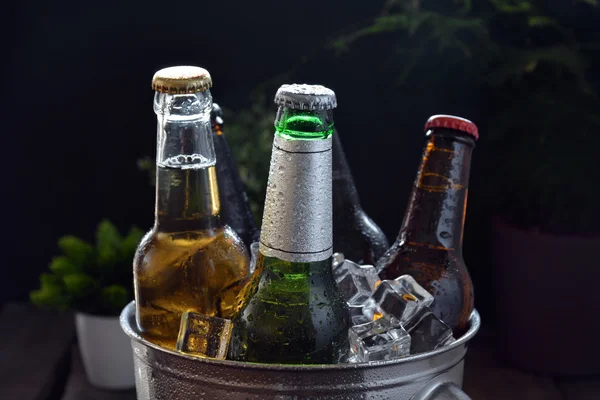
column 291, row 311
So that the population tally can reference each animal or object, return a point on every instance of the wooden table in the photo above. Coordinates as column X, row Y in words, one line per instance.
column 34, row 352
column 78, row 388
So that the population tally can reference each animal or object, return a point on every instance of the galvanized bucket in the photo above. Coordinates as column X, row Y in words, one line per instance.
column 168, row 375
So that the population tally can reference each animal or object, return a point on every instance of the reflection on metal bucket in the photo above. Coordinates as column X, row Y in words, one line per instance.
column 166, row 375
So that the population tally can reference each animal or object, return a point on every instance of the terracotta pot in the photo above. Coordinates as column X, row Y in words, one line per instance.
column 547, row 300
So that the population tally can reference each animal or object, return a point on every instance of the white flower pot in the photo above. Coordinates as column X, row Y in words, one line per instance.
column 106, row 351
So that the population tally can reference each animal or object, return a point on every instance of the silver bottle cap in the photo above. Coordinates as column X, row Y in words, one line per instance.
column 306, row 97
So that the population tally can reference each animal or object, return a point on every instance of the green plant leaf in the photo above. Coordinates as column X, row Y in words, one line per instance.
column 382, row 24
column 79, row 285
column 79, row 251
column 51, row 292
column 466, row 5
column 518, row 62
column 424, row 30
column 49, row 296
column 542, row 20
column 512, row 6
column 63, row 265
column 250, row 136
column 148, row 165
column 130, row 243
column 593, row 3
column 108, row 244
column 115, row 298
column 50, row 279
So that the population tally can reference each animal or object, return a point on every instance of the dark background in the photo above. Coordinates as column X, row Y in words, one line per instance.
column 77, row 110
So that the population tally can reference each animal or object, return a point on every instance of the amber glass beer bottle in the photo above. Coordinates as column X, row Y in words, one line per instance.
column 235, row 206
column 429, row 245
column 190, row 260
column 355, row 234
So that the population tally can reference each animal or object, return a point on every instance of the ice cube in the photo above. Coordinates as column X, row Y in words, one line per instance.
column 353, row 358
column 337, row 259
column 406, row 284
column 382, row 339
column 201, row 335
column 387, row 301
column 356, row 314
column 253, row 256
column 428, row 332
column 355, row 282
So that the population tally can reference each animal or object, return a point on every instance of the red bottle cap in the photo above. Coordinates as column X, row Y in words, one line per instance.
column 452, row 122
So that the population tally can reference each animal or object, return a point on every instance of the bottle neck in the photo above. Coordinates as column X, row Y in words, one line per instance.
column 187, row 195
column 344, row 190
column 295, row 124
column 436, row 211
column 293, row 270
column 235, row 207
column 297, row 220
column 216, row 120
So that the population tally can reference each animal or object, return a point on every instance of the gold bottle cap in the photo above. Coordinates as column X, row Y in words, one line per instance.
column 181, row 80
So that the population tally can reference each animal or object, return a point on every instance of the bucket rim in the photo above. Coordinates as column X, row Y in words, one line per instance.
column 129, row 326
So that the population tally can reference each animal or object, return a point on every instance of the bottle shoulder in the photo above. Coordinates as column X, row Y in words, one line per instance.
column 230, row 235
column 403, row 257
column 358, row 236
column 370, row 228
column 219, row 245
column 354, row 214
column 274, row 278
column 294, row 300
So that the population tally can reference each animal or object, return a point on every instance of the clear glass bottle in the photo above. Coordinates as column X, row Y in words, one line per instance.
column 190, row 260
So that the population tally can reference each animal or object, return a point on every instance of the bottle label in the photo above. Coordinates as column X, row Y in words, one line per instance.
column 297, row 220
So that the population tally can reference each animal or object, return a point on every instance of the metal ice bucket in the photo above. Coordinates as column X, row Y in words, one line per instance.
column 168, row 375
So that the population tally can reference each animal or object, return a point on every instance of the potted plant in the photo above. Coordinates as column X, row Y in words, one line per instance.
column 95, row 281
column 535, row 187
column 541, row 187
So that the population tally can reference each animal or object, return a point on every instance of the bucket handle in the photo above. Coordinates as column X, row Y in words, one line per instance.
column 442, row 391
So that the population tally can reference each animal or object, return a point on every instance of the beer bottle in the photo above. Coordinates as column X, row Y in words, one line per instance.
column 429, row 245
column 291, row 311
column 190, row 260
column 354, row 233
column 235, row 207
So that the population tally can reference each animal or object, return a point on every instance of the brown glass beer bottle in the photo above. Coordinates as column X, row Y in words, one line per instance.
column 429, row 245
column 235, row 206
column 355, row 234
